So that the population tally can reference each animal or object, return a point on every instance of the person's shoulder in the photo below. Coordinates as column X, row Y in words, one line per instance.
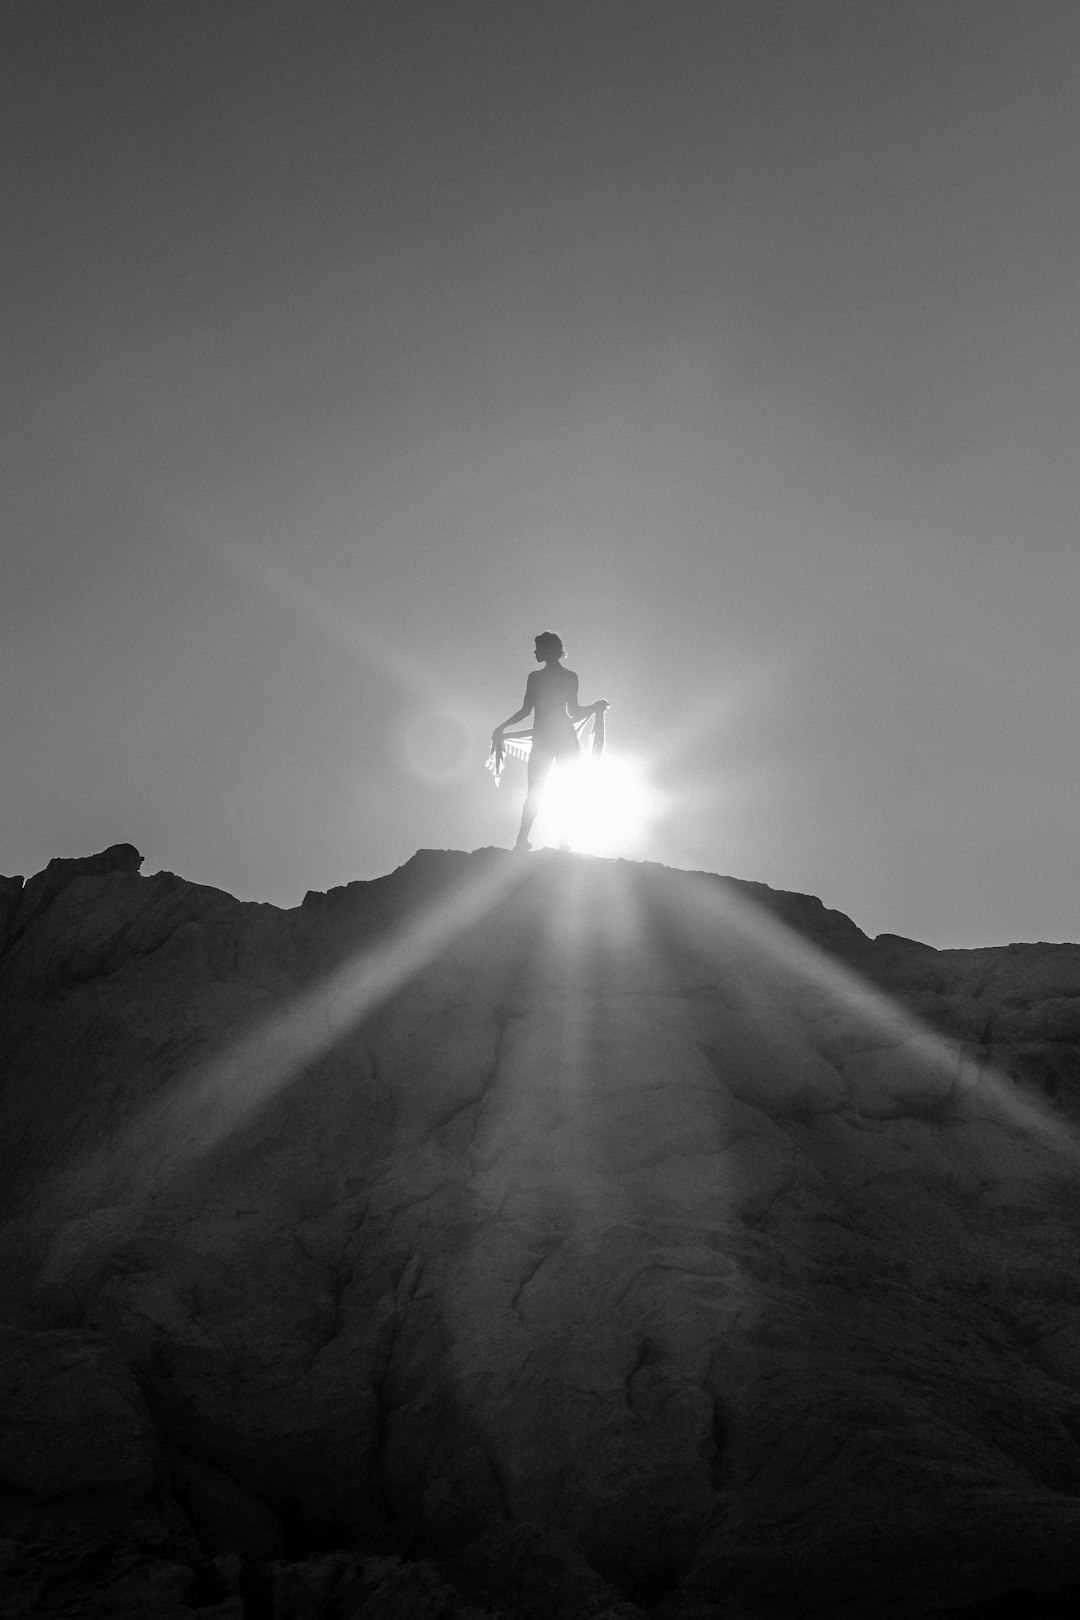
column 569, row 674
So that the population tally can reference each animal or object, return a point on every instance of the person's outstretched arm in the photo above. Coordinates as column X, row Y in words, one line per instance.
column 575, row 709
column 522, row 713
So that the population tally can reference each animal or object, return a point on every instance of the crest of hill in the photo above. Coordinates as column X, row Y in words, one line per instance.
column 657, row 1236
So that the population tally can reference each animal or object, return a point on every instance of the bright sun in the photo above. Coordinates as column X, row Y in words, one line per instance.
column 598, row 806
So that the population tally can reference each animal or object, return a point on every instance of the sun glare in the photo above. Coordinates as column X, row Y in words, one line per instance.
column 598, row 806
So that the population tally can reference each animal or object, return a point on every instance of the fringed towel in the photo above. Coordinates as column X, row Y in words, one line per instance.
column 515, row 744
column 518, row 744
column 598, row 733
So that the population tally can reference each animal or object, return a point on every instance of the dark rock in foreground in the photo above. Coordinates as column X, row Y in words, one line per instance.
column 548, row 1237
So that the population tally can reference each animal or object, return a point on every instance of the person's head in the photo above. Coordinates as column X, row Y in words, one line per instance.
column 548, row 647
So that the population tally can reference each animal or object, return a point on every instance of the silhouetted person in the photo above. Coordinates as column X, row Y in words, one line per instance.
column 551, row 696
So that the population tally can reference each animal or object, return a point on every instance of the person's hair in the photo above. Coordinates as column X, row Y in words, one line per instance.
column 548, row 643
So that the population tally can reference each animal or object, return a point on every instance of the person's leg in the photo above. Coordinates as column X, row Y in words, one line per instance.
column 540, row 763
column 566, row 757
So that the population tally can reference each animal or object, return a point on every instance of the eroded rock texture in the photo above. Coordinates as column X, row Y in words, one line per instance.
column 531, row 1237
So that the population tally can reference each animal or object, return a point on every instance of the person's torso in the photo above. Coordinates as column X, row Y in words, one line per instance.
column 552, row 692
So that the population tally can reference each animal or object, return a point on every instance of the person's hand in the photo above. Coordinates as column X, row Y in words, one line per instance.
column 600, row 705
column 497, row 734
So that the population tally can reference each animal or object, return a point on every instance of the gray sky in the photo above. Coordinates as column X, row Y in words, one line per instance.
column 348, row 345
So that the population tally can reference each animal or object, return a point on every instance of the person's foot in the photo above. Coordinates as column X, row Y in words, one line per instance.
column 522, row 847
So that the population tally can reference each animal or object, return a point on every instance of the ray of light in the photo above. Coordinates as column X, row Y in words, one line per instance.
column 206, row 1106
column 568, row 967
column 571, row 1049
column 336, row 622
column 757, row 685
column 713, row 913
column 442, row 732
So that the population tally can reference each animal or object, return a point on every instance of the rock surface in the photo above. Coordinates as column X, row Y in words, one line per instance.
column 521, row 1237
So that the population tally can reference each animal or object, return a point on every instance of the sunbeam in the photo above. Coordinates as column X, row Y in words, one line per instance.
column 444, row 725
column 930, row 1070
column 207, row 1105
column 336, row 622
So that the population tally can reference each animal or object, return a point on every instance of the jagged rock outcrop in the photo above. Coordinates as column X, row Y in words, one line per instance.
column 511, row 1236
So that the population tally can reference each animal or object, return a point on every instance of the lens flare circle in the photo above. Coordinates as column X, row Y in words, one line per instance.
column 598, row 806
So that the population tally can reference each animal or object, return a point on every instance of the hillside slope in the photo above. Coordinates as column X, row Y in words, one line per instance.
column 655, row 1236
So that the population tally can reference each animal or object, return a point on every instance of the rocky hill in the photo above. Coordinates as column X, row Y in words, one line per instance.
column 530, row 1237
